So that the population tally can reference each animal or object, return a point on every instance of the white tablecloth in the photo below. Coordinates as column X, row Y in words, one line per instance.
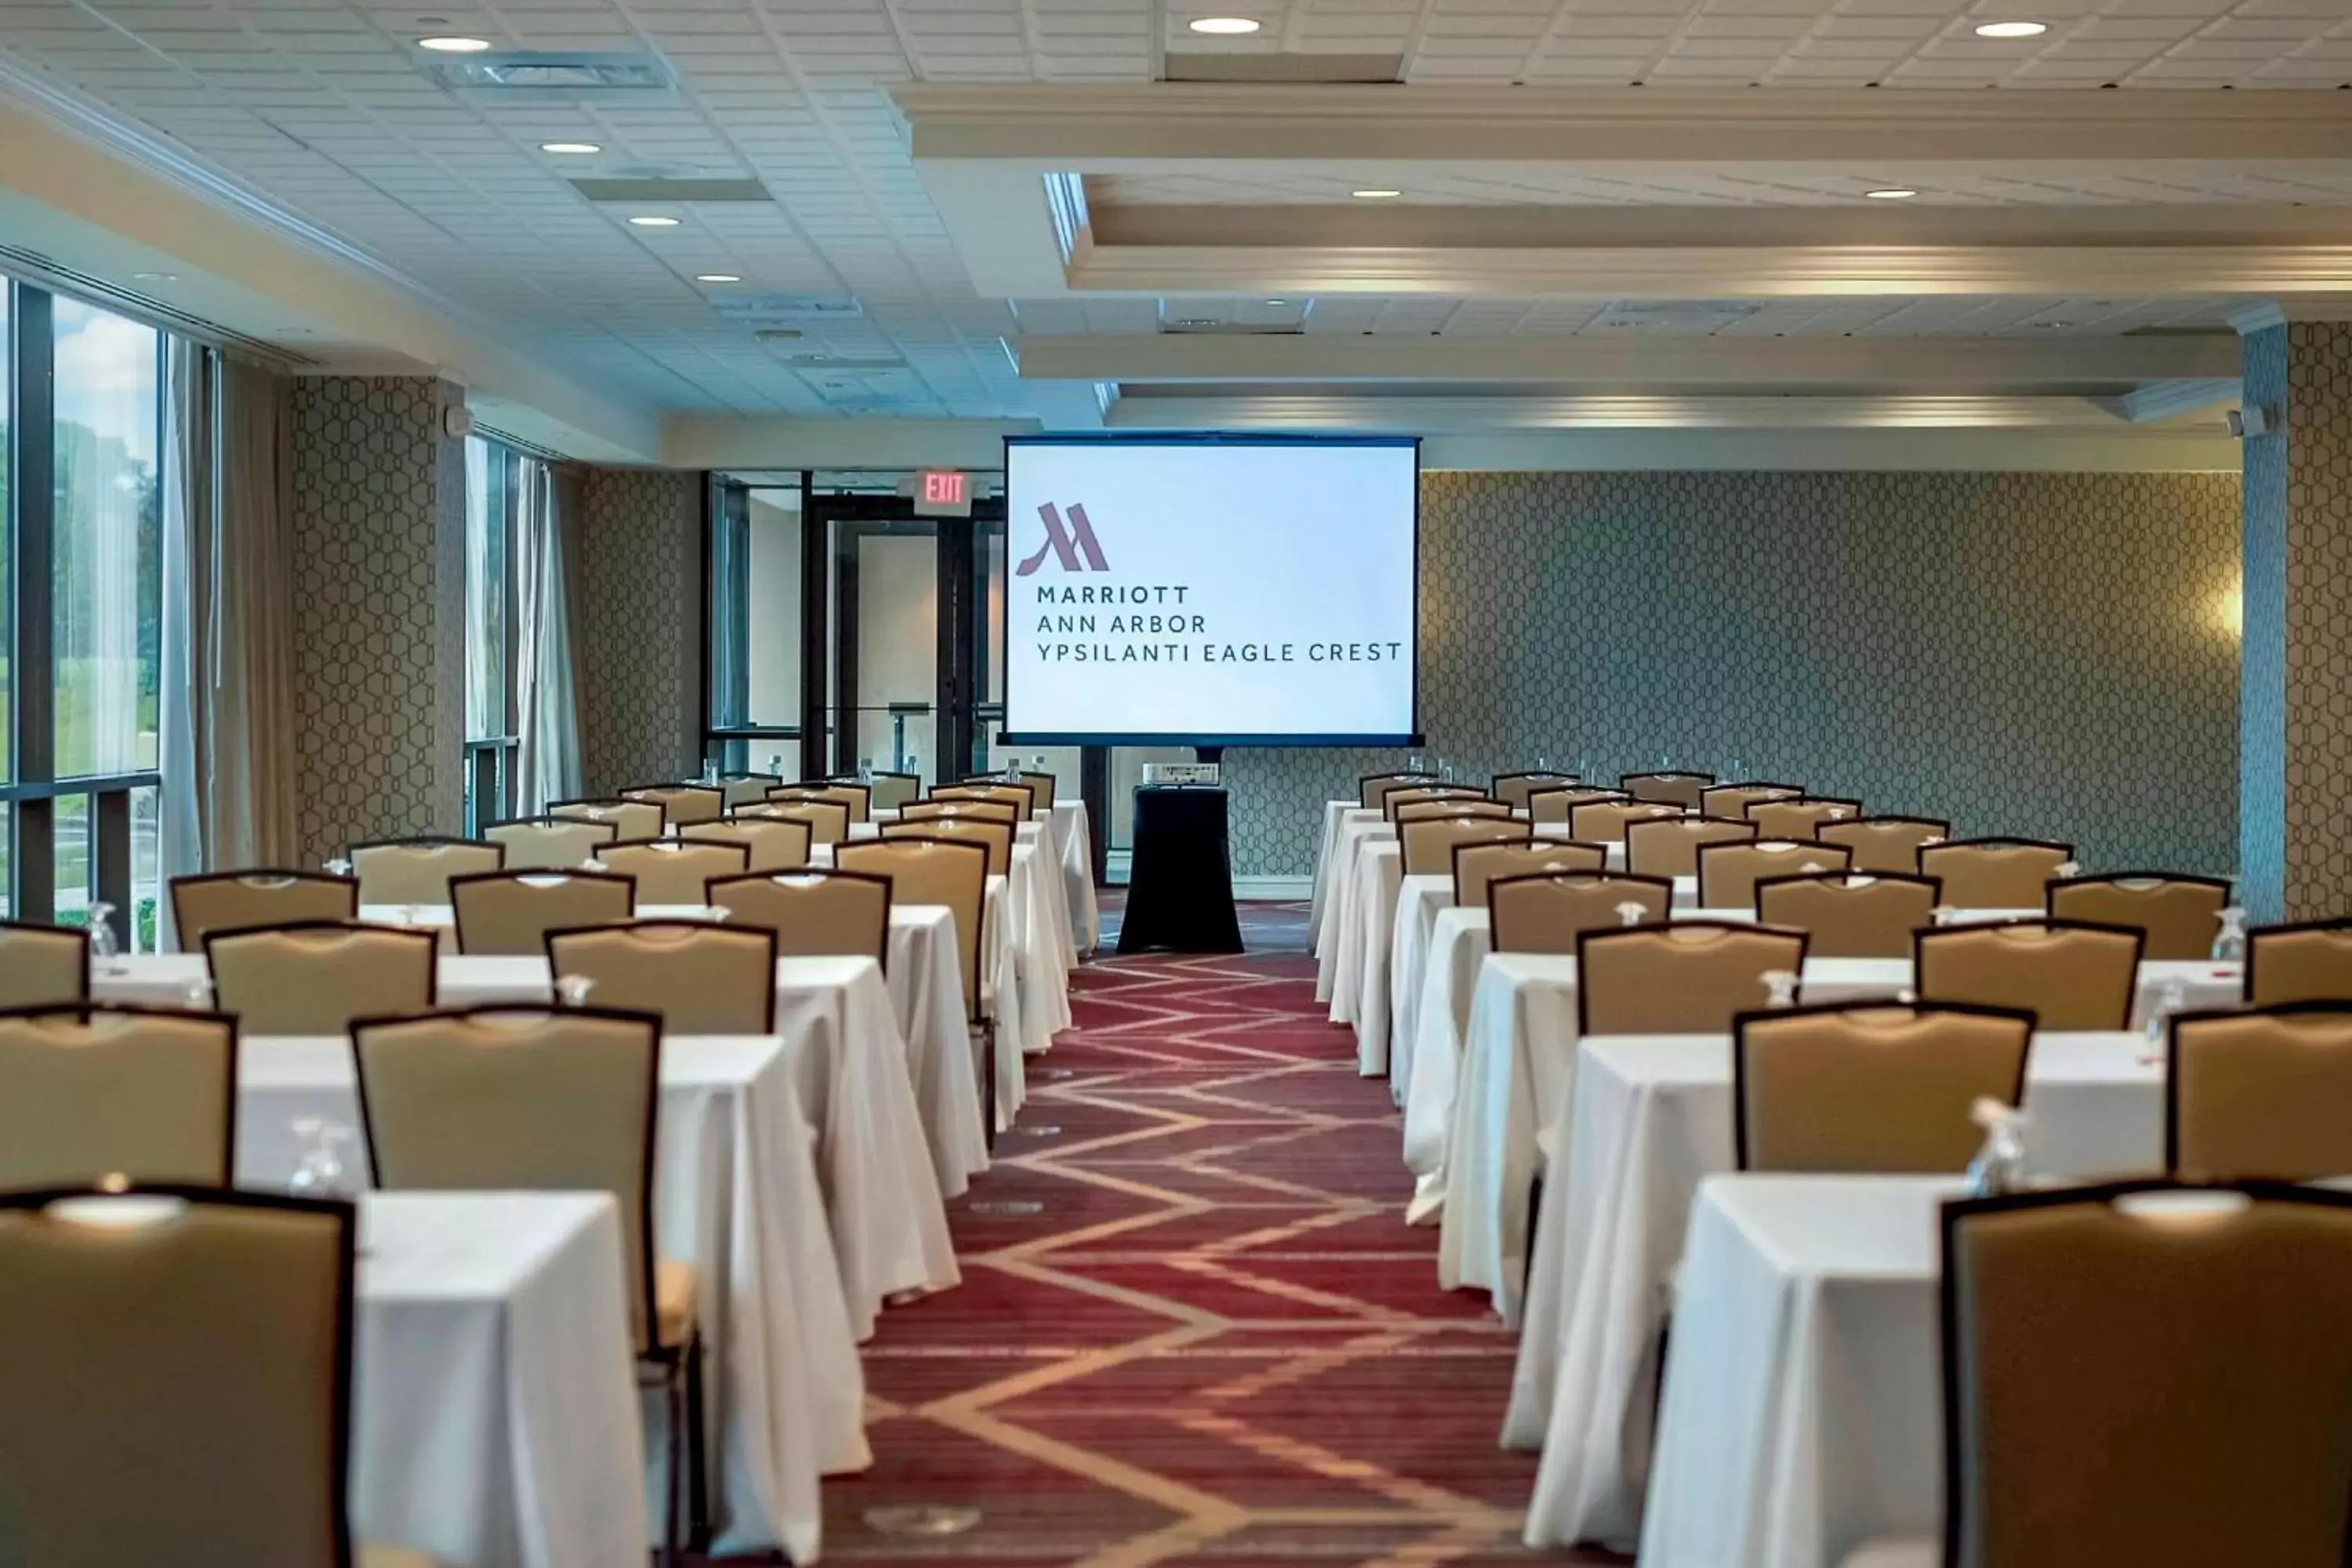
column 1074, row 843
column 1802, row 1411
column 1643, row 1118
column 1327, row 858
column 494, row 1412
column 1355, row 826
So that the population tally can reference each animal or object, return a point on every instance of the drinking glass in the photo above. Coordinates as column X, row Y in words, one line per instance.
column 1780, row 988
column 2171, row 998
column 571, row 990
column 338, row 867
column 2230, row 944
column 1630, row 914
column 103, row 950
column 321, row 1172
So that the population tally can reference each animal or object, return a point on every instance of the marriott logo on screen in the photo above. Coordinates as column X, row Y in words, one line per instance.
column 1074, row 546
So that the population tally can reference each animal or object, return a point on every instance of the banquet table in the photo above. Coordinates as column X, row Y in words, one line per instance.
column 1802, row 1408
column 1637, row 1125
column 1326, row 854
column 1074, row 846
column 736, row 1194
column 494, row 1419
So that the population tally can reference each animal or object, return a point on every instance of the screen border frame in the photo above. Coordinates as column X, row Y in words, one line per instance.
column 1010, row 737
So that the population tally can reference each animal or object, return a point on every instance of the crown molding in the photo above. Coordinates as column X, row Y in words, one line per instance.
column 1473, row 415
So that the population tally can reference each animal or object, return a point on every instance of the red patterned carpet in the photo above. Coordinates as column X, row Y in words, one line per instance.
column 1211, row 1340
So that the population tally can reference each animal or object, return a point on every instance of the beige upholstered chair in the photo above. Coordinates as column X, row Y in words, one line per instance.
column 1372, row 788
column 86, row 1093
column 1454, row 807
column 673, row 871
column 1734, row 799
column 1886, row 843
column 2179, row 915
column 2190, row 1338
column 314, row 978
column 1021, row 797
column 1428, row 847
column 418, row 870
column 1729, row 871
column 698, row 978
column 1994, row 873
column 893, row 791
column 2307, row 961
column 178, row 1365
column 509, row 913
column 2070, row 974
column 1042, row 791
column 929, row 870
column 1685, row 790
column 969, row 807
column 240, row 900
column 771, row 846
column 533, row 1099
column 682, row 804
column 1869, row 1088
column 41, row 966
column 1802, row 818
column 747, row 789
column 1547, row 912
column 2263, row 1093
column 1861, row 915
column 1669, row 847
column 1692, row 977
column 855, row 800
column 1476, row 865
column 627, row 818
column 1559, row 804
column 1411, row 794
column 550, row 843
column 1512, row 789
column 1606, row 821
column 827, row 820
column 814, row 915
column 997, row 836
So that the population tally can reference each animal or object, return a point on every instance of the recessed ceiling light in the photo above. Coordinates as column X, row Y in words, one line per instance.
column 1224, row 26
column 1891, row 194
column 155, row 277
column 449, row 46
column 580, row 149
column 1374, row 193
column 1278, row 301
column 649, row 220
column 718, row 277
column 2012, row 29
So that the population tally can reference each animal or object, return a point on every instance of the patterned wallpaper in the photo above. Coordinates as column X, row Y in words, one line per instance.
column 2262, row 701
column 638, row 625
column 378, row 619
column 2027, row 653
column 2318, row 604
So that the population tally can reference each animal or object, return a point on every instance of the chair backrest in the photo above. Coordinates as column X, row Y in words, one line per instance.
column 2070, row 974
column 1668, row 846
column 1802, row 818
column 673, row 871
column 771, row 846
column 747, row 789
column 1547, row 912
column 1884, row 843
column 1734, row 799
column 1870, row 1088
column 1685, row 790
column 315, row 977
column 418, row 870
column 890, row 792
column 2191, row 1338
column 1849, row 915
column 855, row 799
column 509, row 913
column 1606, row 821
column 1512, row 789
column 629, row 819
column 1428, row 847
column 1729, row 871
column 240, row 900
column 2261, row 1093
column 1454, row 806
column 550, row 843
column 1557, row 804
column 1476, row 864
column 2179, row 915
column 698, row 978
column 43, row 965
column 1994, row 873
column 827, row 820
column 178, row 1366
column 970, row 808
column 814, row 913
column 2310, row 961
column 1371, row 789
column 1416, row 794
column 1692, row 977
column 995, row 836
column 1021, row 797
column 522, row 1099
column 1041, row 787
column 947, row 871
column 88, row 1092
column 682, row 804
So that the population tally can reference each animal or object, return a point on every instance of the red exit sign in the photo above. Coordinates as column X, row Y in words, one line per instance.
column 940, row 487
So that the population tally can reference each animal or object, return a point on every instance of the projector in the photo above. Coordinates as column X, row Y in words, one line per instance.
column 1182, row 773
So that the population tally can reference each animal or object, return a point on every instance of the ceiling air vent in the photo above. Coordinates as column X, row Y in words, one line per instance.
column 558, row 74
column 768, row 310
column 1673, row 315
column 639, row 192
column 1203, row 65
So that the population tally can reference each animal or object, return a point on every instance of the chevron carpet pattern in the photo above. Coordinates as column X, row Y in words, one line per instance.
column 1194, row 1328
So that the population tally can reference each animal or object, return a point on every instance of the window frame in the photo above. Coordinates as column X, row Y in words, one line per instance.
column 491, row 760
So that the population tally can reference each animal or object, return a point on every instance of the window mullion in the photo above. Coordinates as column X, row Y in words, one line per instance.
column 32, row 488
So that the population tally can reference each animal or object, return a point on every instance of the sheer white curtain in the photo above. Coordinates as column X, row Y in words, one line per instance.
column 227, row 690
column 547, row 764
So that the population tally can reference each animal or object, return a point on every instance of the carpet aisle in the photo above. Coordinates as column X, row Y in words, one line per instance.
column 1194, row 1328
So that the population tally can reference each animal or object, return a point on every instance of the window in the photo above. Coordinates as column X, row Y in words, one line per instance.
column 755, row 627
column 502, row 487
